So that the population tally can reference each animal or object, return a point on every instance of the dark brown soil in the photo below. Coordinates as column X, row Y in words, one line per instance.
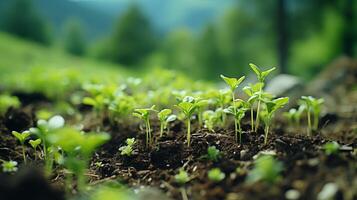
column 306, row 167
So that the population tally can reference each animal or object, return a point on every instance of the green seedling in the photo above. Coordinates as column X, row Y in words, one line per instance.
column 144, row 114
column 261, row 76
column 34, row 144
column 312, row 105
column 294, row 116
column 233, row 84
column 128, row 148
column 238, row 111
column 271, row 108
column 22, row 138
column 78, row 148
column 165, row 117
column 98, row 102
column 9, row 166
column 43, row 129
column 331, row 148
column 266, row 169
column 216, row 175
column 213, row 154
column 201, row 104
column 253, row 92
column 122, row 106
column 7, row 101
column 182, row 178
column 188, row 106
column 213, row 118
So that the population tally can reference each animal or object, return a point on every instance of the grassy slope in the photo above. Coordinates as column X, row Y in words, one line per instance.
column 18, row 56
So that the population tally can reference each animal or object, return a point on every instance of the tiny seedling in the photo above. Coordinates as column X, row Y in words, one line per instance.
column 252, row 91
column 312, row 105
column 144, row 114
column 43, row 129
column 34, row 144
column 238, row 111
column 266, row 168
column 22, row 137
column 213, row 154
column 98, row 102
column 99, row 164
column 213, row 118
column 261, row 76
column 294, row 116
column 182, row 178
column 233, row 84
column 165, row 117
column 271, row 108
column 188, row 106
column 216, row 175
column 128, row 148
column 331, row 148
column 78, row 148
column 9, row 166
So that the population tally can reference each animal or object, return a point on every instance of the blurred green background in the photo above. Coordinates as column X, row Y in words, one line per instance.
column 201, row 38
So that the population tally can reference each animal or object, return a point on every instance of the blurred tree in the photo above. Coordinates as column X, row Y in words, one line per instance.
column 179, row 52
column 23, row 20
column 133, row 38
column 348, row 30
column 73, row 38
column 209, row 55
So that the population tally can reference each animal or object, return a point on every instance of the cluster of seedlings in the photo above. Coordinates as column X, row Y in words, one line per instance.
column 55, row 143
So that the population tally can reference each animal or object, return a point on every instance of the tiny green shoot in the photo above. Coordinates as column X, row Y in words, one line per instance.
column 331, row 148
column 261, row 76
column 216, row 175
column 266, row 168
column 233, row 84
column 238, row 111
column 312, row 105
column 252, row 91
column 128, row 148
column 182, row 178
column 9, row 166
column 165, row 117
column 213, row 154
column 144, row 114
column 22, row 137
column 34, row 144
column 188, row 106
column 271, row 108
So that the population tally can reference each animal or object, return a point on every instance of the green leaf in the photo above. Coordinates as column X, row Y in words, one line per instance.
column 89, row 101
column 163, row 114
column 256, row 69
column 233, row 83
column 35, row 143
column 21, row 136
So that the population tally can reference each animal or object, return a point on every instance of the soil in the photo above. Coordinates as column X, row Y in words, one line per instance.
column 306, row 167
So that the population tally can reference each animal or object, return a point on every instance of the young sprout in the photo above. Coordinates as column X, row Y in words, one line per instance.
column 165, row 117
column 188, row 106
column 35, row 144
column 213, row 118
column 271, row 108
column 261, row 75
column 128, row 148
column 182, row 178
column 266, row 169
column 238, row 111
column 312, row 105
column 9, row 166
column 213, row 154
column 78, row 148
column 233, row 84
column 216, row 175
column 253, row 92
column 22, row 137
column 42, row 131
column 294, row 115
column 144, row 114
column 332, row 148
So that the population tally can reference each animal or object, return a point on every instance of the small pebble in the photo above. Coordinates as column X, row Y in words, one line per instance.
column 292, row 194
column 328, row 191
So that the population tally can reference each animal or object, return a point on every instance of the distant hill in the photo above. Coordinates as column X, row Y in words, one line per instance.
column 98, row 16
